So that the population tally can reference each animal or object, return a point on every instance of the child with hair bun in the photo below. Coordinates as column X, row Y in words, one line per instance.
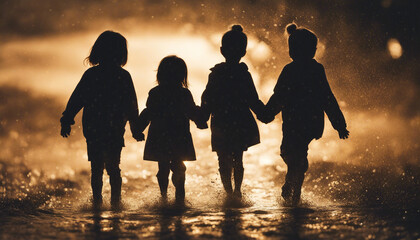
column 302, row 94
column 229, row 97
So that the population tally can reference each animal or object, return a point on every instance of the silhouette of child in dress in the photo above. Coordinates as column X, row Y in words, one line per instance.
column 107, row 96
column 302, row 94
column 229, row 97
column 169, row 108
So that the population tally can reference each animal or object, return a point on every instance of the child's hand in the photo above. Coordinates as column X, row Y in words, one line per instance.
column 265, row 118
column 65, row 130
column 139, row 136
column 201, row 125
column 343, row 133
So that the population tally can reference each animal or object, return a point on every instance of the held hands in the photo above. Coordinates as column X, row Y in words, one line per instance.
column 138, row 136
column 265, row 117
column 343, row 133
column 65, row 131
column 201, row 125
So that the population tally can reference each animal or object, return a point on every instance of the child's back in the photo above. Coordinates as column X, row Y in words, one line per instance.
column 169, row 111
column 304, row 94
column 109, row 101
column 229, row 95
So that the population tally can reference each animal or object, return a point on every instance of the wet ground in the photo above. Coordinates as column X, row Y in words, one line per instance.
column 41, row 205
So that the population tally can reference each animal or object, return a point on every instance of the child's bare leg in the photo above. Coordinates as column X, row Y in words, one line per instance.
column 163, row 178
column 238, row 173
column 225, row 169
column 178, row 179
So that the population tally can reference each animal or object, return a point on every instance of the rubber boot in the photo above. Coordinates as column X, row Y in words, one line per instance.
column 178, row 179
column 226, row 177
column 96, row 183
column 115, row 182
column 238, row 176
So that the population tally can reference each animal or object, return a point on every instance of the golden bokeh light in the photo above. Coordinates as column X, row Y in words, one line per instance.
column 395, row 48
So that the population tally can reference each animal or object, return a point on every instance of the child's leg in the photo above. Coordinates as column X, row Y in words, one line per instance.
column 178, row 179
column 294, row 152
column 162, row 177
column 297, row 165
column 225, row 169
column 97, row 169
column 114, row 172
column 238, row 172
column 112, row 165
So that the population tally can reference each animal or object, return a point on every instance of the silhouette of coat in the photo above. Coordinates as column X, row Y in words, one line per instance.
column 229, row 95
column 108, row 99
column 302, row 93
column 169, row 110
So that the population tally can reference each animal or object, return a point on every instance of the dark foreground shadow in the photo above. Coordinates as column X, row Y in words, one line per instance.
column 231, row 225
column 291, row 224
column 106, row 227
column 171, row 222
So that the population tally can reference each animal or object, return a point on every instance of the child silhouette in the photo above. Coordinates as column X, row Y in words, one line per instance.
column 302, row 94
column 169, row 108
column 229, row 95
column 107, row 96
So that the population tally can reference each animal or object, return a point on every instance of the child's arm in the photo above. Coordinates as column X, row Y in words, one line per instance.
column 255, row 104
column 331, row 107
column 275, row 104
column 207, row 99
column 133, row 109
column 143, row 120
column 74, row 105
column 195, row 113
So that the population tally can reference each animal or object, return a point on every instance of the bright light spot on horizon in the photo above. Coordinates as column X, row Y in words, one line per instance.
column 259, row 51
column 395, row 48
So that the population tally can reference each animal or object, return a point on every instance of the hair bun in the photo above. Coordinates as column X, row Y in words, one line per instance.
column 290, row 28
column 237, row 28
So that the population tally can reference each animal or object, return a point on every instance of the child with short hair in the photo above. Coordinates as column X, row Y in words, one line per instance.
column 302, row 94
column 169, row 108
column 106, row 94
column 229, row 97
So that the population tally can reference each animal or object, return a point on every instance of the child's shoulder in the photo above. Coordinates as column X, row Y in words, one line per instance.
column 159, row 91
column 99, row 69
column 92, row 70
column 297, row 65
column 154, row 90
column 223, row 67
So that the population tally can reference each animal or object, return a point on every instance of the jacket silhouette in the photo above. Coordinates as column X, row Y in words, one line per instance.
column 108, row 99
column 302, row 94
column 169, row 110
column 229, row 95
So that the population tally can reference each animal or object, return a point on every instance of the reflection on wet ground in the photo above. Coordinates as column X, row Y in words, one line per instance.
column 169, row 223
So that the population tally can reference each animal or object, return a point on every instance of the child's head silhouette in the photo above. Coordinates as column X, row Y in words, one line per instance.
column 172, row 71
column 234, row 44
column 302, row 42
column 109, row 48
